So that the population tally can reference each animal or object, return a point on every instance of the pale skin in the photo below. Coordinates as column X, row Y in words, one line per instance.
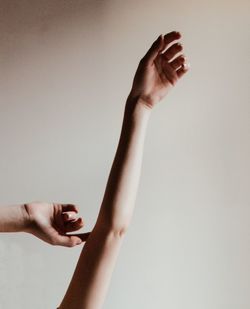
column 50, row 222
column 156, row 74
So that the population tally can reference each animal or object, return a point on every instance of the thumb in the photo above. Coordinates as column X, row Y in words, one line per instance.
column 68, row 240
column 83, row 236
column 154, row 50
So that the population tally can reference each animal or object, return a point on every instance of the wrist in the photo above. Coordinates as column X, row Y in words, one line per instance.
column 136, row 103
column 14, row 218
column 26, row 218
column 147, row 101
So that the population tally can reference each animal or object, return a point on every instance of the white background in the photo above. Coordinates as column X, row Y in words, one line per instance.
column 66, row 68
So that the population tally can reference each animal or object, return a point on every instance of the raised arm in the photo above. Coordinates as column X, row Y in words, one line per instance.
column 154, row 77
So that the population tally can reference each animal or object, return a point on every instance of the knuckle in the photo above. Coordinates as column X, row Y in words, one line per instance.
column 182, row 58
column 53, row 242
column 179, row 46
column 70, row 244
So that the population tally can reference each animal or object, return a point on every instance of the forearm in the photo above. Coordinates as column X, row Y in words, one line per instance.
column 13, row 218
column 120, row 194
column 91, row 278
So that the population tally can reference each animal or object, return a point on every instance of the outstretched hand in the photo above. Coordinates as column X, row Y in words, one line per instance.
column 159, row 70
column 50, row 222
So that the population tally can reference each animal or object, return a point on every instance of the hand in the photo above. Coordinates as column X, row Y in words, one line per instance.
column 50, row 222
column 159, row 70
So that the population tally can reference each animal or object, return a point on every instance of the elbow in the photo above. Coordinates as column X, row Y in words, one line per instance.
column 119, row 231
column 116, row 229
column 120, row 227
column 114, row 225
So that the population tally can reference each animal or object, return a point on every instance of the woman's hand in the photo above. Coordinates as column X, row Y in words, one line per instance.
column 50, row 222
column 159, row 70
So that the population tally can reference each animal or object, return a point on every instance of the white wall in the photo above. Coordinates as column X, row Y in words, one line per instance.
column 66, row 69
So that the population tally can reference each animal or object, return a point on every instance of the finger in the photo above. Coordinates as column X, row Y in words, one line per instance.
column 67, row 240
column 171, row 37
column 160, row 44
column 172, row 51
column 83, row 236
column 184, row 68
column 69, row 215
column 169, row 73
column 177, row 62
column 70, row 207
column 74, row 225
column 154, row 50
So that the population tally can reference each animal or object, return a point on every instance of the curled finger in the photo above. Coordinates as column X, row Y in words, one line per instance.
column 178, row 62
column 75, row 225
column 70, row 207
column 183, row 69
column 69, row 216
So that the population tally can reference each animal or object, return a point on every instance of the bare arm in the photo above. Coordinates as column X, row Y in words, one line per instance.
column 91, row 278
column 13, row 218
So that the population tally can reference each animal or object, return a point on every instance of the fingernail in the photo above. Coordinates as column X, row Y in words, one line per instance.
column 65, row 215
column 186, row 66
